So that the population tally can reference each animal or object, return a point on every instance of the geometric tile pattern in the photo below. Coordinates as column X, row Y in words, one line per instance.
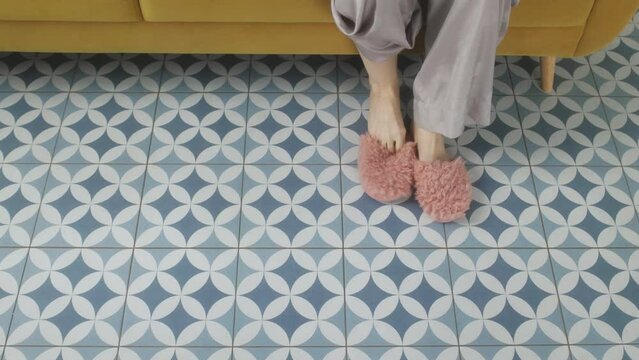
column 209, row 207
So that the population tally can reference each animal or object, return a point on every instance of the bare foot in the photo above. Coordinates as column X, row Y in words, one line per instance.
column 430, row 145
column 385, row 122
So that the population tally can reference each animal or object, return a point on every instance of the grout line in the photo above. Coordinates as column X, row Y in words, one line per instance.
column 593, row 77
column 172, row 164
column 630, row 195
column 510, row 78
column 584, row 248
column 592, row 72
column 341, row 193
column 183, row 92
column 496, row 345
column 239, row 226
column 452, row 292
column 552, row 268
column 541, row 218
column 521, row 126
column 137, row 226
column 619, row 155
column 37, row 216
column 495, row 165
column 605, row 112
column 76, row 70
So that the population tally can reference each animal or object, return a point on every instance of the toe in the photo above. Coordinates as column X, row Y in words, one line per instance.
column 388, row 144
column 397, row 147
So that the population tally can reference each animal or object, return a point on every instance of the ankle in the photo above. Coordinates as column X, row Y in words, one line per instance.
column 385, row 90
column 430, row 146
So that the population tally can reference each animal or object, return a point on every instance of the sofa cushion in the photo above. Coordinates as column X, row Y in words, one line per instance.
column 529, row 13
column 272, row 11
column 70, row 10
column 551, row 13
column 231, row 11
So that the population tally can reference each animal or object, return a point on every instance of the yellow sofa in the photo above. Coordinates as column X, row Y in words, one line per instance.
column 548, row 28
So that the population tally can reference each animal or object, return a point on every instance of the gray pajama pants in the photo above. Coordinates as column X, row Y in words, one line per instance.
column 455, row 84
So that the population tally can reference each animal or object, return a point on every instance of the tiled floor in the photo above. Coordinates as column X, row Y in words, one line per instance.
column 208, row 207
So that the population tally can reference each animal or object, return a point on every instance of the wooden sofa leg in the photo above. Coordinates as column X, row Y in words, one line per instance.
column 548, row 72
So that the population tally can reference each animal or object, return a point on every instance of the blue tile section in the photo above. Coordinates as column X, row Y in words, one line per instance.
column 199, row 128
column 30, row 123
column 205, row 73
column 573, row 77
column 209, row 207
column 37, row 72
column 122, row 73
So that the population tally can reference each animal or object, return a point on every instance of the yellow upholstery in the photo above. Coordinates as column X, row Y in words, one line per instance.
column 70, row 10
column 607, row 19
column 538, row 27
column 551, row 13
column 278, row 11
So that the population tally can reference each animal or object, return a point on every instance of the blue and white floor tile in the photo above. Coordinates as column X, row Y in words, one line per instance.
column 71, row 297
column 175, row 353
column 353, row 78
column 586, row 207
column 502, row 84
column 505, row 297
column 351, row 75
column 504, row 212
column 205, row 73
column 21, row 193
column 516, row 352
column 180, row 298
column 106, row 128
column 369, row 224
column 293, row 353
column 118, row 73
column 291, row 206
column 624, row 123
column 290, row 297
column 288, row 128
column 209, row 207
column 615, row 68
column 353, row 114
column 11, row 265
column 561, row 130
column 632, row 175
column 573, row 77
column 598, row 292
column 399, row 298
column 199, row 128
column 187, row 206
column 90, row 206
column 293, row 74
column 594, row 352
column 500, row 143
column 405, row 352
column 37, row 72
column 30, row 124
column 55, row 353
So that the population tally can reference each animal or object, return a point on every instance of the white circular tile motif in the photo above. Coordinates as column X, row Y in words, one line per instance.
column 71, row 297
column 180, row 298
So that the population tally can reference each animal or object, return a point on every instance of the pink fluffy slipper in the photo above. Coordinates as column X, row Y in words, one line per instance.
column 443, row 189
column 386, row 176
